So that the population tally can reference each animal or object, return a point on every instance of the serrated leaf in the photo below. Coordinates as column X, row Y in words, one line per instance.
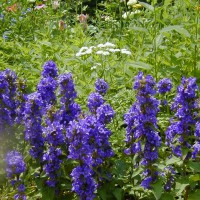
column 157, row 189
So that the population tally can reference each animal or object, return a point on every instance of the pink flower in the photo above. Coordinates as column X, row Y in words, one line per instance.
column 40, row 6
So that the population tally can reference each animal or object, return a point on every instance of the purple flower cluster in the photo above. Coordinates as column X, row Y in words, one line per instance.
column 69, row 109
column 196, row 146
column 52, row 163
column 79, row 149
column 95, row 100
column 89, row 144
column 169, row 174
column 48, row 84
column 141, row 127
column 164, row 85
column 15, row 167
column 53, row 133
column 33, row 124
column 184, row 105
column 101, row 86
column 8, row 89
column 50, row 70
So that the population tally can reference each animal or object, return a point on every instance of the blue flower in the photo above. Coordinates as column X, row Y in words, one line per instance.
column 141, row 126
column 49, row 70
column 101, row 86
column 95, row 100
column 164, row 85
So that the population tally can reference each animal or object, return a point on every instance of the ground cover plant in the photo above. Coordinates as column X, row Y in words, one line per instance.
column 99, row 100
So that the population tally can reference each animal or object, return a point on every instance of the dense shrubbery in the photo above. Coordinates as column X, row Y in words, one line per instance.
column 97, row 134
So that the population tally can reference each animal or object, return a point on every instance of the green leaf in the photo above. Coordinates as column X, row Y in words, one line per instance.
column 118, row 193
column 181, row 187
column 157, row 189
column 136, row 28
column 139, row 64
column 147, row 6
column 167, row 196
column 194, row 166
column 159, row 40
column 195, row 177
column 194, row 195
column 177, row 28
column 173, row 160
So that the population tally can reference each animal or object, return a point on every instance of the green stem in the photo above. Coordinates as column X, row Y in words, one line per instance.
column 154, row 43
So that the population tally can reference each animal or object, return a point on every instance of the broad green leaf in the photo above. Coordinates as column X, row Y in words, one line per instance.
column 195, row 177
column 166, row 196
column 177, row 28
column 157, row 189
column 147, row 6
column 173, row 160
column 194, row 195
column 118, row 193
column 181, row 187
column 194, row 166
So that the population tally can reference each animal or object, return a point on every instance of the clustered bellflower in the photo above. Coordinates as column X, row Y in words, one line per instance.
column 181, row 127
column 141, row 127
column 79, row 149
column 164, row 85
column 48, row 84
column 101, row 86
column 89, row 144
column 69, row 108
column 53, row 133
column 33, row 124
column 15, row 166
column 8, row 89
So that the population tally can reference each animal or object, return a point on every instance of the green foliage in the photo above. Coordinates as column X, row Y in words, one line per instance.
column 163, row 40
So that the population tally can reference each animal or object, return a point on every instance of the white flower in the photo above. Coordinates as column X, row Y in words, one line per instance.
column 88, row 51
column 125, row 51
column 105, row 53
column 131, row 2
column 95, row 66
column 100, row 45
column 127, row 14
column 108, row 44
column 83, row 48
column 113, row 50
column 55, row 4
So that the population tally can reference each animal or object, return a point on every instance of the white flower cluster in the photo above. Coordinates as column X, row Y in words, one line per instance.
column 101, row 49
